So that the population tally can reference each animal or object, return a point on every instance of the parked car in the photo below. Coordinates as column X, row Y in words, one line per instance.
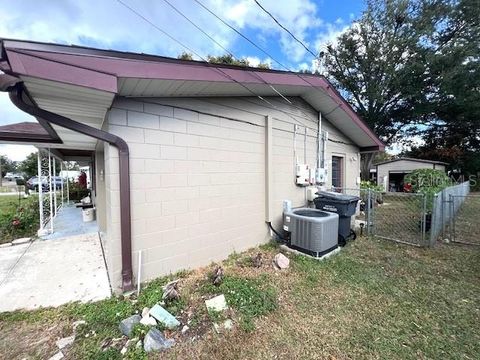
column 12, row 177
column 33, row 182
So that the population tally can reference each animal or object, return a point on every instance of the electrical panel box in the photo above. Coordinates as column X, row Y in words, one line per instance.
column 320, row 175
column 302, row 174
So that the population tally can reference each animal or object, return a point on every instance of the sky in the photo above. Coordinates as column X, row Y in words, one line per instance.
column 108, row 24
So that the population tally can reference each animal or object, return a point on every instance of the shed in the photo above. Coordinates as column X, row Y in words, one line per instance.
column 391, row 173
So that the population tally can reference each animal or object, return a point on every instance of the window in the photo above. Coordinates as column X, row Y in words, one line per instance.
column 337, row 172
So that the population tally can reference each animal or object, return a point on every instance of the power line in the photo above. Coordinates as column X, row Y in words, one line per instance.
column 272, row 106
column 227, row 51
column 288, row 31
column 269, row 55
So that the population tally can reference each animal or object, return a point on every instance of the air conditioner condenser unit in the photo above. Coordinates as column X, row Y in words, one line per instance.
column 312, row 231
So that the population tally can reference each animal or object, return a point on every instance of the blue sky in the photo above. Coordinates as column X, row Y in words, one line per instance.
column 109, row 24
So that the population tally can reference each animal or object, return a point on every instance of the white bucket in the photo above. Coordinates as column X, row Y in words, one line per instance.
column 88, row 215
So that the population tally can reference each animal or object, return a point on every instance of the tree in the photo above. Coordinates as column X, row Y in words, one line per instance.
column 380, row 65
column 6, row 165
column 454, row 65
column 227, row 59
column 29, row 166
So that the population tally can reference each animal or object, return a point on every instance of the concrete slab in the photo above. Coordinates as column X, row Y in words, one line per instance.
column 9, row 257
column 52, row 273
column 69, row 222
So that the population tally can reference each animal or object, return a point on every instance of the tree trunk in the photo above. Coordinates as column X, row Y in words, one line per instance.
column 366, row 164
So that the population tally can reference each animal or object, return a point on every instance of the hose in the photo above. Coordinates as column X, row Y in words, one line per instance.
column 276, row 232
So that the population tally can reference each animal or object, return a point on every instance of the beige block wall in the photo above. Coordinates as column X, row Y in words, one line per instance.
column 198, row 180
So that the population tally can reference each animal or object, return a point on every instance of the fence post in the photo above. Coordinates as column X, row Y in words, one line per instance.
column 434, row 221
column 369, row 201
column 424, row 218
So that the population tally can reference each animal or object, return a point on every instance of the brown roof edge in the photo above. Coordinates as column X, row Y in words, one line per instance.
column 412, row 159
column 16, row 96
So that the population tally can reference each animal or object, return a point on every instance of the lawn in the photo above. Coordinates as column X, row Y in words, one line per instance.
column 374, row 300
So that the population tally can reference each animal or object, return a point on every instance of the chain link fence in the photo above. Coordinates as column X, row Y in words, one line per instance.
column 417, row 219
column 464, row 224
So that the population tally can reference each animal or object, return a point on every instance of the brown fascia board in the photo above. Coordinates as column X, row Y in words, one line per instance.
column 28, row 48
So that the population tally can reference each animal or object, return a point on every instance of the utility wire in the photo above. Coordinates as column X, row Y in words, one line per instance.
column 270, row 56
column 272, row 106
column 231, row 54
column 288, row 31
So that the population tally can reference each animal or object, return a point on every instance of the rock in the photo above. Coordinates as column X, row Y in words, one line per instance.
column 5, row 245
column 64, row 342
column 21, row 241
column 185, row 329
column 57, row 356
column 217, row 276
column 281, row 261
column 145, row 311
column 228, row 324
column 148, row 321
column 257, row 260
column 77, row 323
column 164, row 317
column 124, row 350
column 126, row 326
column 155, row 341
column 170, row 291
column 218, row 303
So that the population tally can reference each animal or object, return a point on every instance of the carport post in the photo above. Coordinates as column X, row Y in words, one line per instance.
column 61, row 178
column 55, row 186
column 50, row 188
column 40, row 190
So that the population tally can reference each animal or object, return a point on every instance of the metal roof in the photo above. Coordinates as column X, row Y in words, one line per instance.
column 412, row 159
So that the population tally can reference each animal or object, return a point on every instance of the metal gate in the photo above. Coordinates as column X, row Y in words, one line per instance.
column 400, row 217
column 465, row 210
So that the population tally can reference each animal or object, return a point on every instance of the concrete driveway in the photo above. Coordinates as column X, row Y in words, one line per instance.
column 53, row 272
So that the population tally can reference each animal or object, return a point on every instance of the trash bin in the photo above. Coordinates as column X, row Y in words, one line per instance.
column 88, row 214
column 345, row 206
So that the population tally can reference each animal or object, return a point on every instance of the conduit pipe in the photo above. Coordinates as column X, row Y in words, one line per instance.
column 16, row 96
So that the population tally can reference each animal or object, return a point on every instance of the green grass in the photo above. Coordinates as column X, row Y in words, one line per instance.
column 25, row 210
column 374, row 300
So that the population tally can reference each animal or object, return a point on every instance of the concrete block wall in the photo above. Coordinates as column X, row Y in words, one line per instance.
column 198, row 177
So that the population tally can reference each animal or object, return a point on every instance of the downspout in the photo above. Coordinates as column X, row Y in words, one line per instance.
column 125, row 220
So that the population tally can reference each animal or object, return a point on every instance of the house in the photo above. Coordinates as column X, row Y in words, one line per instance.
column 391, row 173
column 190, row 160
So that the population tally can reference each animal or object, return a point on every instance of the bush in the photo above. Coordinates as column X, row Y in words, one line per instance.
column 76, row 192
column 19, row 221
column 428, row 182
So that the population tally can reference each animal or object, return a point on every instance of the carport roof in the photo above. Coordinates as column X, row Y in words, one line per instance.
column 80, row 83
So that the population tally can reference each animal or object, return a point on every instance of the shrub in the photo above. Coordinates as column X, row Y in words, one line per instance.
column 19, row 221
column 428, row 182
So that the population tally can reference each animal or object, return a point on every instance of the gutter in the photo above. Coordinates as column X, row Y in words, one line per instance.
column 16, row 93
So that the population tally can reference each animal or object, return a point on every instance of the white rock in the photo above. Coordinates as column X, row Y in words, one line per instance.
column 124, row 350
column 145, row 311
column 228, row 324
column 281, row 261
column 57, row 356
column 218, row 303
column 21, row 241
column 78, row 323
column 148, row 321
column 64, row 342
column 185, row 329
column 5, row 245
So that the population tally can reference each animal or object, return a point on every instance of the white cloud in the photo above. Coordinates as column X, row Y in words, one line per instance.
column 405, row 145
